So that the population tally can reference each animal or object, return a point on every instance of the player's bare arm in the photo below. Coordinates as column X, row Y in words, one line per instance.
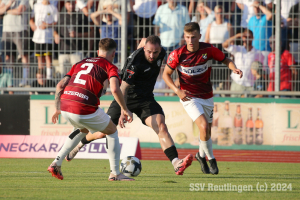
column 117, row 93
column 230, row 64
column 124, row 89
column 59, row 90
column 142, row 43
column 182, row 94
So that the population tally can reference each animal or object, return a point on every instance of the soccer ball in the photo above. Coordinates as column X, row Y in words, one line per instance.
column 131, row 166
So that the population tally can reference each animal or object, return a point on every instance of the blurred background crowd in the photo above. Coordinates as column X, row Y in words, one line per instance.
column 42, row 39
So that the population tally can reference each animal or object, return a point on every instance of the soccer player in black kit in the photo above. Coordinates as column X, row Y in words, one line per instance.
column 139, row 77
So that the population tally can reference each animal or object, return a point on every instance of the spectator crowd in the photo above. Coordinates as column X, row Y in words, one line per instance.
column 42, row 39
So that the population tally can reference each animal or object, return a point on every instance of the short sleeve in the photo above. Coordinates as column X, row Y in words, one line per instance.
column 156, row 20
column 172, row 60
column 114, row 72
column 250, row 27
column 194, row 19
column 32, row 12
column 233, row 49
column 187, row 16
column 71, row 72
column 217, row 54
column 268, row 1
column 55, row 13
column 25, row 3
column 80, row 4
column 129, row 74
column 211, row 16
column 9, row 80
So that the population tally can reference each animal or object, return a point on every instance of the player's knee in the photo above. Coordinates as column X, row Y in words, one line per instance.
column 163, row 130
column 204, row 126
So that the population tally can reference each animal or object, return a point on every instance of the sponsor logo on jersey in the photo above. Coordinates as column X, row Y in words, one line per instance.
column 195, row 70
column 147, row 69
column 90, row 60
column 159, row 62
column 73, row 93
column 130, row 72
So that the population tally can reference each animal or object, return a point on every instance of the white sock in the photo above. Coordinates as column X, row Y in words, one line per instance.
column 174, row 161
column 201, row 151
column 207, row 147
column 49, row 73
column 113, row 152
column 69, row 145
column 25, row 72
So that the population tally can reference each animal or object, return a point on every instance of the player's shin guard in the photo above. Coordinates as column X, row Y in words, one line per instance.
column 113, row 152
column 74, row 138
column 207, row 147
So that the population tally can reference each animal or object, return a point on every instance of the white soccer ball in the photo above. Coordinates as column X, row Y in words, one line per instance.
column 131, row 166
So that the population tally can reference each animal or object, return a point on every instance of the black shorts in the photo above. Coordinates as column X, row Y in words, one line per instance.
column 43, row 49
column 142, row 108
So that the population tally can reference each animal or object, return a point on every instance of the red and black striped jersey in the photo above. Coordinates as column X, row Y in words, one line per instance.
column 81, row 95
column 194, row 68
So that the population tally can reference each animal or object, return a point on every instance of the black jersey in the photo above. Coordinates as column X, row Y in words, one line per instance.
column 140, row 74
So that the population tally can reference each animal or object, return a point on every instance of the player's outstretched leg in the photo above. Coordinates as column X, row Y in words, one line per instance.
column 157, row 123
column 113, row 151
column 206, row 144
column 181, row 164
column 71, row 142
column 86, row 140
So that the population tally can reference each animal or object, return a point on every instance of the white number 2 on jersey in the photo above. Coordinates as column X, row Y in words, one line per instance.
column 88, row 70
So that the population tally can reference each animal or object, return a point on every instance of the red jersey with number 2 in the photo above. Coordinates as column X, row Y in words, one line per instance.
column 194, row 68
column 81, row 95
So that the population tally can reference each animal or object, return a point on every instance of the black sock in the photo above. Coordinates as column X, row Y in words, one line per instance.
column 171, row 153
column 84, row 141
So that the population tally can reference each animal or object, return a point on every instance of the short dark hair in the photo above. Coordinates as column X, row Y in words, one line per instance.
column 153, row 39
column 41, row 71
column 248, row 31
column 192, row 26
column 107, row 44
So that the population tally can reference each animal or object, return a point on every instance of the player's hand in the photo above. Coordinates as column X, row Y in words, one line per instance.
column 142, row 43
column 183, row 95
column 43, row 25
column 55, row 116
column 126, row 116
column 238, row 71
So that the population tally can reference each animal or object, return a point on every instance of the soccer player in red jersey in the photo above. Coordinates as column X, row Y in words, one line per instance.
column 193, row 64
column 77, row 99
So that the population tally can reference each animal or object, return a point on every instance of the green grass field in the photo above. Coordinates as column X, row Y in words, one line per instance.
column 87, row 179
